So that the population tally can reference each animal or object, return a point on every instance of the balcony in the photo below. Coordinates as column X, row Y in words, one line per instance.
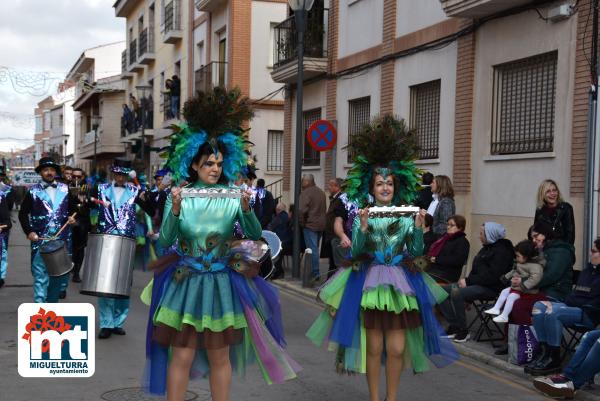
column 209, row 5
column 211, row 75
column 171, row 29
column 133, row 64
column 285, row 64
column 146, row 49
column 124, row 71
column 478, row 8
column 88, row 137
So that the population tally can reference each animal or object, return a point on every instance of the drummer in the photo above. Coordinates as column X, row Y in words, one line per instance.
column 46, row 208
column 5, row 224
column 82, row 228
column 117, row 216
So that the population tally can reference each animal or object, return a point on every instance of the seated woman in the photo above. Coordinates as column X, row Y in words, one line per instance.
column 493, row 261
column 557, row 278
column 449, row 254
column 549, row 318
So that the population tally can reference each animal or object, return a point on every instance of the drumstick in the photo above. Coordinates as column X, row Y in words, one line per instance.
column 64, row 226
column 3, row 226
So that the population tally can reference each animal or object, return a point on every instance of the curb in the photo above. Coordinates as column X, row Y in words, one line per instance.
column 295, row 286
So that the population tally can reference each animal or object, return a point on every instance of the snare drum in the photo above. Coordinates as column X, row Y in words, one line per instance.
column 108, row 267
column 55, row 256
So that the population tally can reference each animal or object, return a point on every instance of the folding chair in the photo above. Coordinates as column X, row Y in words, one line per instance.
column 574, row 333
column 488, row 330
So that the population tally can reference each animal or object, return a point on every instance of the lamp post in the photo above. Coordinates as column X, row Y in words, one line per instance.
column 143, row 91
column 300, row 8
column 96, row 120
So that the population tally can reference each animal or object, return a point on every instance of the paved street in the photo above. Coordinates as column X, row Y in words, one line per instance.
column 120, row 360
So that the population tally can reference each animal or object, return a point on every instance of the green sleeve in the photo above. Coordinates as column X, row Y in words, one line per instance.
column 148, row 221
column 358, row 238
column 169, row 229
column 250, row 224
column 414, row 241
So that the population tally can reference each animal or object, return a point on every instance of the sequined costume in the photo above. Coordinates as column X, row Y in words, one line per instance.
column 201, row 299
column 119, row 218
column 5, row 193
column 45, row 217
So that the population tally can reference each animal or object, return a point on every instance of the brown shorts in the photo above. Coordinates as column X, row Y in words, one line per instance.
column 385, row 320
column 188, row 337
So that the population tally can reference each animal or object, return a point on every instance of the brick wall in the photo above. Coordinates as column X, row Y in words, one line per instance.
column 465, row 77
column 387, row 68
column 331, row 84
column 240, row 19
column 580, row 99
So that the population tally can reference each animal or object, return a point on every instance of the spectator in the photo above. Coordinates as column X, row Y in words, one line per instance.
column 135, row 105
column 128, row 119
column 312, row 219
column 449, row 254
column 523, row 279
column 483, row 282
column 150, row 112
column 425, row 196
column 168, row 102
column 553, row 210
column 264, row 204
column 549, row 317
column 429, row 237
column 175, row 96
column 280, row 225
column 442, row 206
column 335, row 191
column 582, row 368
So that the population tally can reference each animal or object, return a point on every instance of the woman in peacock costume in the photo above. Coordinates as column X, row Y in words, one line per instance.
column 379, row 310
column 209, row 311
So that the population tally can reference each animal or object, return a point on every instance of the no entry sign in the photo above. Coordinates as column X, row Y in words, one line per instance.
column 321, row 135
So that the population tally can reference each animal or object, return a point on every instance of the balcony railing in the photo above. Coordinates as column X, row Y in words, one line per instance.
column 172, row 16
column 88, row 137
column 132, row 51
column 211, row 75
column 315, row 38
column 166, row 107
column 124, row 61
column 146, row 42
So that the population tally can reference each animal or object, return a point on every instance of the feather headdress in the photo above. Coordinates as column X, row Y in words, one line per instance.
column 385, row 146
column 214, row 117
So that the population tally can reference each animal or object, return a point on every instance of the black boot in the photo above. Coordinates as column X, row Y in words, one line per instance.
column 548, row 365
column 76, row 278
column 542, row 353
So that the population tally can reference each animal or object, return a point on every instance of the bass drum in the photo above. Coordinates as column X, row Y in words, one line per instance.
column 267, row 263
column 108, row 267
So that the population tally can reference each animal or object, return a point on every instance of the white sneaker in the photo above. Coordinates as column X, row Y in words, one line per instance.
column 500, row 319
column 492, row 311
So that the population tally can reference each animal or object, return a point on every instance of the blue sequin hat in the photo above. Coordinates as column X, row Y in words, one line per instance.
column 161, row 173
column 47, row 162
column 121, row 166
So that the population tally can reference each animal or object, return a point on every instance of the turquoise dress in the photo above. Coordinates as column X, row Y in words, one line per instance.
column 206, row 299
column 382, row 290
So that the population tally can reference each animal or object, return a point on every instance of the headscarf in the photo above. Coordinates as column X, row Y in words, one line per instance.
column 493, row 232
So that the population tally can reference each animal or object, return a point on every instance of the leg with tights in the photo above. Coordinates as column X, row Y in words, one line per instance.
column 178, row 375
column 495, row 310
column 394, row 346
column 220, row 373
column 374, row 350
column 510, row 301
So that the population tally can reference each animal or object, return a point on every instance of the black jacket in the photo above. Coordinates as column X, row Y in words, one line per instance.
column 450, row 261
column 560, row 219
column 587, row 291
column 491, row 263
column 424, row 198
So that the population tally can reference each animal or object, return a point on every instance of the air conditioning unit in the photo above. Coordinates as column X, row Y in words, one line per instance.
column 560, row 13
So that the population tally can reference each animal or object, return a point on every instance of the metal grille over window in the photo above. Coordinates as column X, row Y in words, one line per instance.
column 359, row 114
column 311, row 156
column 275, row 150
column 523, row 105
column 425, row 117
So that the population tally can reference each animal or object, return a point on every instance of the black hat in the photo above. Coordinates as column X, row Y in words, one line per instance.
column 121, row 166
column 47, row 162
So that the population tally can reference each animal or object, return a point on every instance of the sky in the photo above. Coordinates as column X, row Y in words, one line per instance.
column 41, row 41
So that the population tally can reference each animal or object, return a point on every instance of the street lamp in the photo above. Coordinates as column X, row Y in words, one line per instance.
column 143, row 91
column 95, row 120
column 300, row 8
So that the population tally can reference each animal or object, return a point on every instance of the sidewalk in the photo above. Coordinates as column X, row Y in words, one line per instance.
column 482, row 352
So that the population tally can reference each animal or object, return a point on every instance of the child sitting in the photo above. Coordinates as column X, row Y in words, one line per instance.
column 523, row 279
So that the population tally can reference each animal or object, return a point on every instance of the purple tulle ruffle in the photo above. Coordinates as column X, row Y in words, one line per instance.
column 393, row 276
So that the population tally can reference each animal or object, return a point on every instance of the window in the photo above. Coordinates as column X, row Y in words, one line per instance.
column 359, row 114
column 271, row 43
column 425, row 117
column 311, row 157
column 524, row 95
column 275, row 150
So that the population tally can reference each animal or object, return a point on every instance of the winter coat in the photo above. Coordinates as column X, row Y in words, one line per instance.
column 558, row 272
column 490, row 264
column 451, row 259
column 561, row 220
column 587, row 291
column 445, row 209
column 312, row 209
column 530, row 273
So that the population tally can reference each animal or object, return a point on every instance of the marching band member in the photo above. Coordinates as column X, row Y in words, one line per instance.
column 46, row 208
column 209, row 311
column 5, row 223
column 82, row 227
column 117, row 216
column 384, row 300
